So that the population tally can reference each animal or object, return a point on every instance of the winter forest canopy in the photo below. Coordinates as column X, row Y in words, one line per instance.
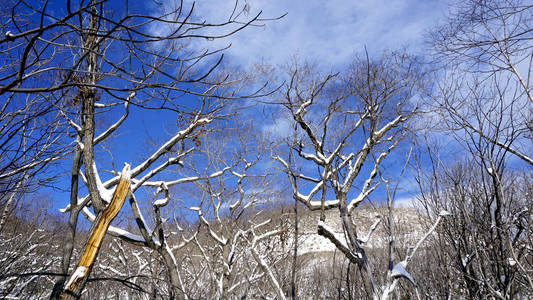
column 247, row 150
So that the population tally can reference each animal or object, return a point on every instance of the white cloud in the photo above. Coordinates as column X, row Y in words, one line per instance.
column 406, row 202
column 280, row 128
column 328, row 32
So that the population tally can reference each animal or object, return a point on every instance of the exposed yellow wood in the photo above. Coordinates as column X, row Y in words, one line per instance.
column 97, row 233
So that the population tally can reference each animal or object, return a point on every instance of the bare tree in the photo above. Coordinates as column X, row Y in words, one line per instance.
column 29, row 251
column 127, row 270
column 486, row 48
column 234, row 235
column 484, row 102
column 345, row 128
column 484, row 247
column 229, row 252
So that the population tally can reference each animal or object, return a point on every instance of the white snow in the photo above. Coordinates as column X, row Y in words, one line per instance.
column 126, row 171
column 161, row 202
column 115, row 230
column 327, row 203
column 105, row 194
column 302, row 107
column 465, row 260
column 161, row 188
column 511, row 261
column 64, row 210
column 370, row 233
column 331, row 230
column 326, row 227
column 399, row 271
column 78, row 273
column 126, row 234
column 79, row 143
column 218, row 173
column 444, row 213
column 371, row 230
column 130, row 96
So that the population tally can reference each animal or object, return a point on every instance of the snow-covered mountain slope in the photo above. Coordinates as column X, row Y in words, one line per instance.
column 407, row 229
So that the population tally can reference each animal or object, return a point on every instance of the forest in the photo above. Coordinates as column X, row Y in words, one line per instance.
column 142, row 158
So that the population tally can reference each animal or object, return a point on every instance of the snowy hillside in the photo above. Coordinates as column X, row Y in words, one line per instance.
column 407, row 229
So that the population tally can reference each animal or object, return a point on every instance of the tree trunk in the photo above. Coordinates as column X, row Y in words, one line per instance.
column 356, row 248
column 171, row 267
column 79, row 277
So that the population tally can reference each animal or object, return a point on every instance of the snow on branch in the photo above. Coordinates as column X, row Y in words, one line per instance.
column 181, row 180
column 307, row 199
column 240, row 180
column 71, row 122
column 169, row 144
column 164, row 201
column 370, row 142
column 367, row 186
column 113, row 127
column 312, row 157
column 371, row 230
column 263, row 264
column 327, row 232
column 342, row 143
column 399, row 270
column 221, row 240
column 115, row 231
column 302, row 176
column 104, row 193
column 442, row 214
column 174, row 160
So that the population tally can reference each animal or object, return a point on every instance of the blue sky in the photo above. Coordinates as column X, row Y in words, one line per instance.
column 328, row 33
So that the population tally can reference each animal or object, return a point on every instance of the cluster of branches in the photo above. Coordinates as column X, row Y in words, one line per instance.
column 66, row 73
column 484, row 106
column 198, row 196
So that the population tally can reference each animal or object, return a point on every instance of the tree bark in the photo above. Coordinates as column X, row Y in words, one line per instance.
column 72, row 224
column 79, row 277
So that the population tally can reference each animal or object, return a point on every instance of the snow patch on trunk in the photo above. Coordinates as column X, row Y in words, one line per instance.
column 78, row 273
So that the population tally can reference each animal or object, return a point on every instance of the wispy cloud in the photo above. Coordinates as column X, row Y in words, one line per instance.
column 279, row 128
column 406, row 202
column 328, row 32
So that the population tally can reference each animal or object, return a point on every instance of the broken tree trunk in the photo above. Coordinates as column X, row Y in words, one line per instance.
column 77, row 280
